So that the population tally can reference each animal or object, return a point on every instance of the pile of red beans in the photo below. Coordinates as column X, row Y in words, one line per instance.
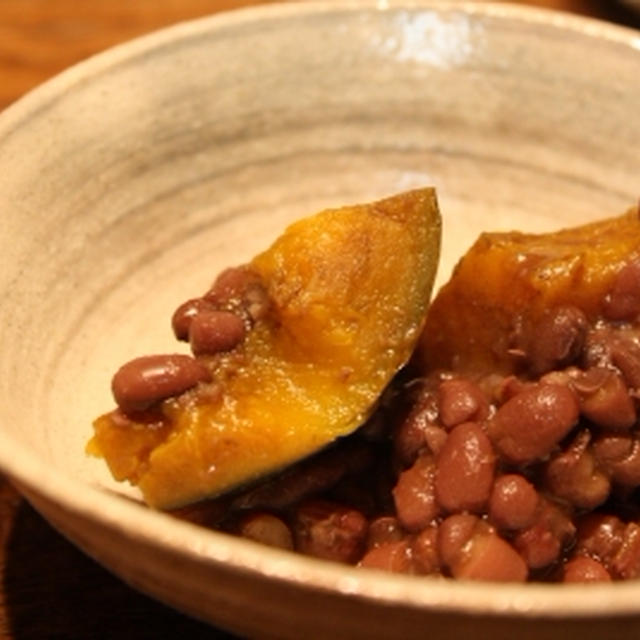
column 214, row 323
column 501, row 477
column 520, row 477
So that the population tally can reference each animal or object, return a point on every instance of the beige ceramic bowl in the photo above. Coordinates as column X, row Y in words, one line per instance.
column 127, row 182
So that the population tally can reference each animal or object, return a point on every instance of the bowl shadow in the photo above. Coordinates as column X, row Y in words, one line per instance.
column 52, row 590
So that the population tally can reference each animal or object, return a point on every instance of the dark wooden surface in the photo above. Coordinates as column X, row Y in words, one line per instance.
column 49, row 589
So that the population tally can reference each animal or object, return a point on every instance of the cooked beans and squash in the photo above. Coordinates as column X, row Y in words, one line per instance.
column 327, row 406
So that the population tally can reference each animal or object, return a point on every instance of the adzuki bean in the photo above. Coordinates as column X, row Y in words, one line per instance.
column 185, row 313
column 231, row 285
column 454, row 534
column 142, row 382
column 625, row 356
column 527, row 427
column 415, row 495
column 623, row 301
column 396, row 557
column 472, row 550
column 557, row 339
column 574, row 475
column 410, row 436
column 585, row 569
column 542, row 544
column 513, row 503
column 211, row 332
column 464, row 470
column 614, row 543
column 604, row 399
column 425, row 551
column 460, row 400
column 619, row 456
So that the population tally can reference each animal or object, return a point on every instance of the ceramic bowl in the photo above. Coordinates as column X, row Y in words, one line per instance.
column 129, row 181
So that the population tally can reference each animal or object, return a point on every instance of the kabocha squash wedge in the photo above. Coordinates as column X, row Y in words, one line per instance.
column 505, row 284
column 290, row 352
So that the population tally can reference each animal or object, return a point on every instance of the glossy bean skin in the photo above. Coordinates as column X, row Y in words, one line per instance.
column 218, row 320
column 623, row 301
column 231, row 285
column 513, row 503
column 435, row 438
column 212, row 332
column 492, row 559
column 625, row 565
column 538, row 546
column 239, row 289
column 557, row 339
column 613, row 542
column 542, row 544
column 394, row 556
column 584, row 569
column 459, row 401
column 530, row 424
column 604, row 399
column 574, row 475
column 465, row 469
column 625, row 356
column 599, row 536
column 414, row 494
column 601, row 342
column 509, row 387
column 619, row 456
column 185, row 313
column 472, row 550
column 410, row 436
column 454, row 534
column 144, row 381
column 424, row 549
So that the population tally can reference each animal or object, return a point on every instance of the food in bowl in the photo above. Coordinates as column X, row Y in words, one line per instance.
column 531, row 354
column 289, row 352
column 505, row 450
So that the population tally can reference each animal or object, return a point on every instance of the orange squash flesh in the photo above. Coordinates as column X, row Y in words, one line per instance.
column 506, row 279
column 349, row 290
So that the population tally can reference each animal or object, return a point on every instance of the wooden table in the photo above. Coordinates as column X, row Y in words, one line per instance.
column 48, row 589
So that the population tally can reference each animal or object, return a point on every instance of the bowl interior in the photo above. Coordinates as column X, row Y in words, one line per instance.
column 128, row 182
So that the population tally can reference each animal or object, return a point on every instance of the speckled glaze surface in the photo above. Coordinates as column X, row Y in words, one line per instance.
column 129, row 181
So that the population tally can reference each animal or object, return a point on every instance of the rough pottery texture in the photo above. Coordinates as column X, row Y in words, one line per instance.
column 129, row 181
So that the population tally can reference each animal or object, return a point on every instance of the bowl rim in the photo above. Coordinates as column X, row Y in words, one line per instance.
column 42, row 95
column 203, row 545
